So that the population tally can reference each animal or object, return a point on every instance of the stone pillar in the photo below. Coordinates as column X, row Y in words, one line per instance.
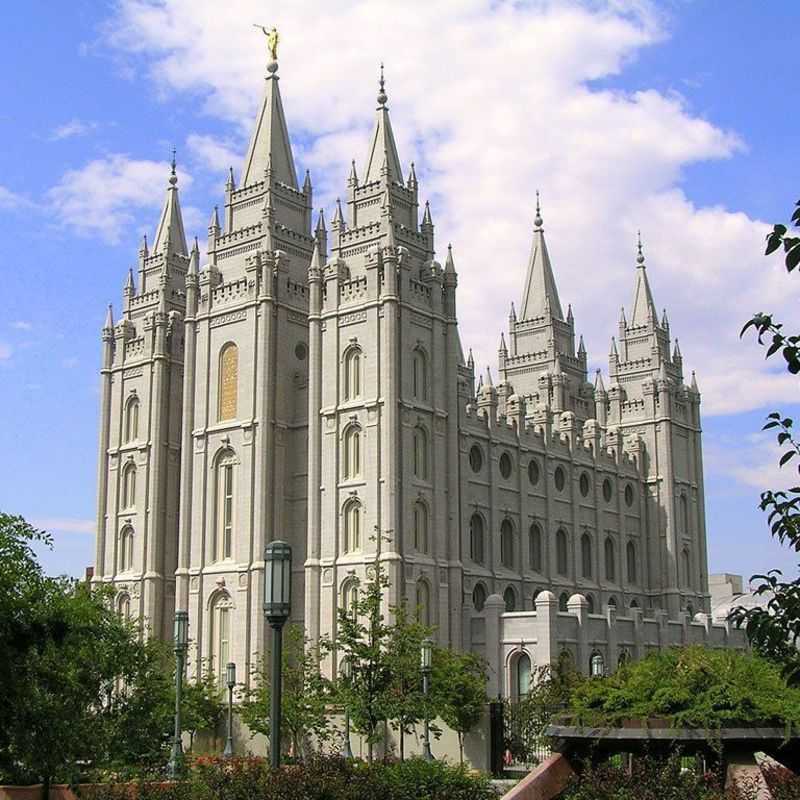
column 579, row 608
column 493, row 608
column 545, row 625
column 101, row 532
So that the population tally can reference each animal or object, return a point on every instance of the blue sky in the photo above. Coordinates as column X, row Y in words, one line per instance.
column 667, row 117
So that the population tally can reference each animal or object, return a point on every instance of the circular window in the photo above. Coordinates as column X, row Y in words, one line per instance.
column 608, row 492
column 505, row 465
column 533, row 471
column 475, row 458
column 629, row 495
column 479, row 597
column 584, row 484
column 300, row 351
column 559, row 479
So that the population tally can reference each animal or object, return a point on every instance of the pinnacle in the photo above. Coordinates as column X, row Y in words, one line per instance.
column 109, row 323
column 599, row 386
column 449, row 265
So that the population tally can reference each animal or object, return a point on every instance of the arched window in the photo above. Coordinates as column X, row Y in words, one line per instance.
column 507, row 543
column 420, row 453
column 124, row 607
column 522, row 670
column 630, row 557
column 129, row 486
column 610, row 558
column 352, row 374
column 132, row 420
column 125, row 557
column 624, row 658
column 419, row 375
column 590, row 603
column 612, row 601
column 352, row 452
column 561, row 553
column 420, row 527
column 479, row 597
column 350, row 596
column 597, row 665
column 586, row 556
column 686, row 568
column 690, row 611
column 510, row 599
column 228, row 382
column 634, row 603
column 220, row 634
column 535, row 547
column 562, row 601
column 476, row 538
column 423, row 603
column 223, row 544
column 685, row 514
column 352, row 526
column 475, row 458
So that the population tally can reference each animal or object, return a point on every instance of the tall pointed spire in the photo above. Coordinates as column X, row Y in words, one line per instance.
column 449, row 265
column 644, row 308
column 170, row 234
column 109, row 323
column 270, row 138
column 541, row 295
column 383, row 145
column 599, row 386
column 427, row 219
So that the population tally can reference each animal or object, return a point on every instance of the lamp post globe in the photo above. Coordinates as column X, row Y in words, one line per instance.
column 426, row 663
column 230, row 680
column 181, row 645
column 277, row 607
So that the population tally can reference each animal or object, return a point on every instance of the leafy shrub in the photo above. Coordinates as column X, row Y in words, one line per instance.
column 318, row 778
column 691, row 687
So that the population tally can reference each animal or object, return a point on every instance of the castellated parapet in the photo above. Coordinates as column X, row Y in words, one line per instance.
column 311, row 385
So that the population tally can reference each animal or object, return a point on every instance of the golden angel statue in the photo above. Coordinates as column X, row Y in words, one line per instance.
column 272, row 40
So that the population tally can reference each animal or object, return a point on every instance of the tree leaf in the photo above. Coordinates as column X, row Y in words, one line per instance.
column 793, row 257
column 786, row 457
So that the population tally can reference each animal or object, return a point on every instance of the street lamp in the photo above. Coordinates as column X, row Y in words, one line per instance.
column 230, row 674
column 427, row 667
column 175, row 766
column 347, row 674
column 277, row 605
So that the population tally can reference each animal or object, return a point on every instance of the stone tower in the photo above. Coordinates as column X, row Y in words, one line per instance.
column 140, row 428
column 383, row 412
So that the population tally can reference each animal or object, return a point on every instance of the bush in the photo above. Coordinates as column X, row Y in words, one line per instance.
column 319, row 778
column 691, row 687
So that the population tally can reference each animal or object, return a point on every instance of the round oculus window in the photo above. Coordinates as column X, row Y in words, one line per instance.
column 559, row 479
column 505, row 465
column 629, row 495
column 300, row 351
column 533, row 471
column 584, row 484
column 608, row 492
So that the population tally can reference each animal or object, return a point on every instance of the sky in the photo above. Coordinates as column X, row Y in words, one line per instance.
column 669, row 117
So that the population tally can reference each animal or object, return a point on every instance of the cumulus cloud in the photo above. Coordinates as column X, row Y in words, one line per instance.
column 213, row 153
column 11, row 200
column 75, row 127
column 104, row 196
column 493, row 100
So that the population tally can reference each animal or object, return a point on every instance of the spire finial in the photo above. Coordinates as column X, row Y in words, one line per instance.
column 173, row 178
column 537, row 220
column 382, row 98
column 640, row 256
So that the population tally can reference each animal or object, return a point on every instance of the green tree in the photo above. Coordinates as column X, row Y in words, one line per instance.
column 362, row 637
column 405, row 702
column 774, row 631
column 305, row 694
column 202, row 705
column 459, row 691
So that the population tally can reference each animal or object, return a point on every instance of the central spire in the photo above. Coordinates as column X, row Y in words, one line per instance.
column 170, row 236
column 644, row 309
column 270, row 141
column 383, row 145
column 541, row 295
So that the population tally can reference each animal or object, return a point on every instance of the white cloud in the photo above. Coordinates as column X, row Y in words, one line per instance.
column 11, row 200
column 21, row 325
column 213, row 153
column 5, row 352
column 752, row 461
column 75, row 127
column 65, row 525
column 102, row 197
column 493, row 100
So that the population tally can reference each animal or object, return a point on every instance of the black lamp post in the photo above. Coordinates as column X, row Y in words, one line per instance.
column 230, row 675
column 277, row 605
column 347, row 674
column 427, row 667
column 175, row 766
